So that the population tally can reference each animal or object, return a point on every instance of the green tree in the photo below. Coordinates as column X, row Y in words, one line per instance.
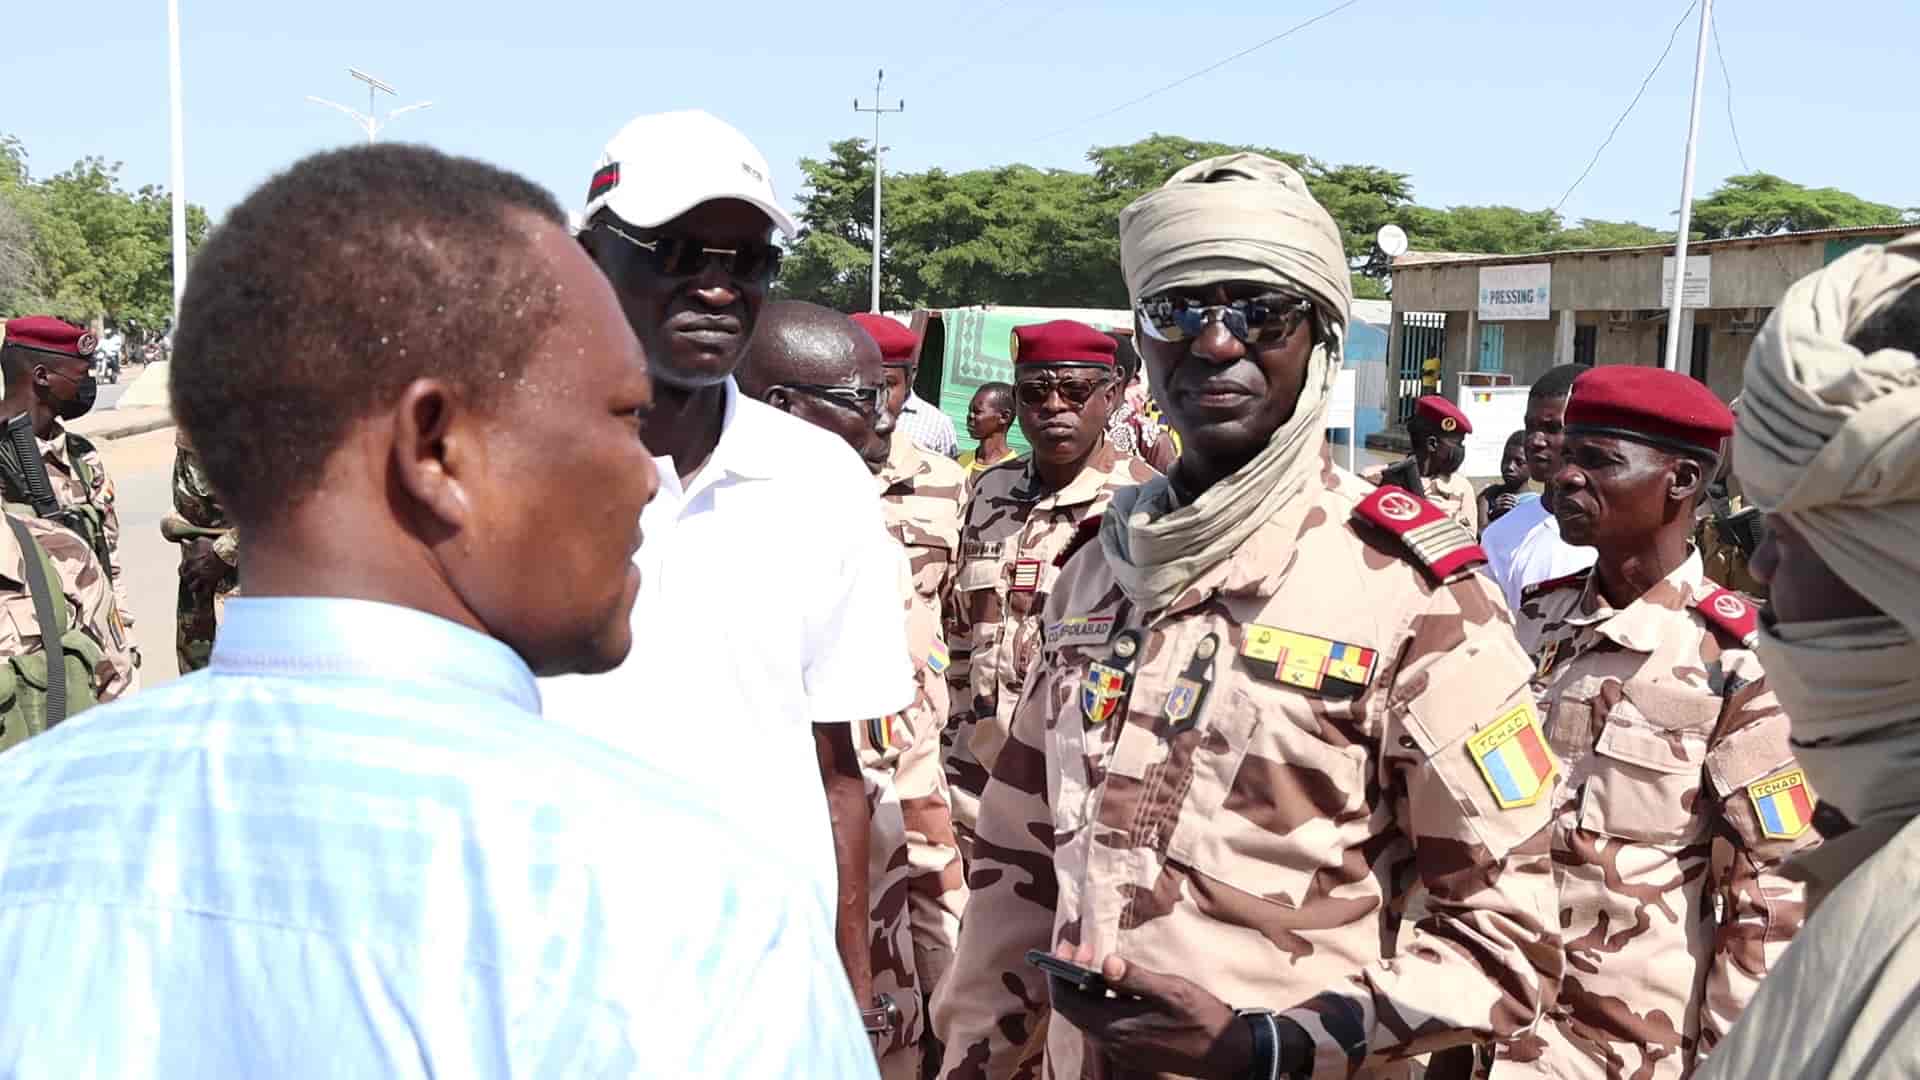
column 1759, row 204
column 1594, row 233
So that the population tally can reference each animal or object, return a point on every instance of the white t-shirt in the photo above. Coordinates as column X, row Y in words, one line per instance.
column 1524, row 548
column 769, row 602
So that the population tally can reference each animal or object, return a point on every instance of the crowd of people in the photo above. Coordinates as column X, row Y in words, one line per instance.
column 633, row 677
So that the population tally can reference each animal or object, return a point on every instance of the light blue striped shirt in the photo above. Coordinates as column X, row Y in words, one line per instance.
column 353, row 848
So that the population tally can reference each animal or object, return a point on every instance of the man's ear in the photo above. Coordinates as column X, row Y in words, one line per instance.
column 1689, row 479
column 437, row 452
column 779, row 398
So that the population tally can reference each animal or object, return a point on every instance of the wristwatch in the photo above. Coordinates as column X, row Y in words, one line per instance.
column 882, row 1018
column 1267, row 1051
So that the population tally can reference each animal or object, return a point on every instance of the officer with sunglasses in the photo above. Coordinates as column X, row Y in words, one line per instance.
column 1276, row 776
column 1020, row 517
column 768, row 621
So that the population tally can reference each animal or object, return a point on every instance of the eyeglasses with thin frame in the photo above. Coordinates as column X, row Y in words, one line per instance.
column 681, row 256
column 1074, row 390
column 1259, row 319
column 864, row 400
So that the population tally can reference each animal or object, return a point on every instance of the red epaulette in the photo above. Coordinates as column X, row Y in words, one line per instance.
column 1541, row 588
column 1731, row 614
column 1441, row 545
column 1088, row 531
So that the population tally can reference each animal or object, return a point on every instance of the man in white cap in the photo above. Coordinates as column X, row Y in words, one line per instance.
column 768, row 607
column 1270, row 706
column 1828, row 445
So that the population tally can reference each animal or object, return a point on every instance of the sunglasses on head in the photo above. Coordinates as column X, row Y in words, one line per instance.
column 864, row 400
column 1075, row 390
column 1265, row 318
column 682, row 256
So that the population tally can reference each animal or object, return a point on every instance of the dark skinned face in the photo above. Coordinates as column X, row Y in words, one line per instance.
column 1059, row 431
column 1801, row 586
column 1546, row 427
column 868, row 433
column 66, row 384
column 1615, row 494
column 1442, row 455
column 1224, row 397
column 694, row 328
column 987, row 415
column 899, row 382
column 1513, row 463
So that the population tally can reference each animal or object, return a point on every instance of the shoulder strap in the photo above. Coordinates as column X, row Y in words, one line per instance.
column 1439, row 544
column 1731, row 614
column 51, row 616
column 78, row 447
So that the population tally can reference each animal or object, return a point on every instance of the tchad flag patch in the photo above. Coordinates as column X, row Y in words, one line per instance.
column 1513, row 757
column 1333, row 668
column 938, row 659
column 1784, row 804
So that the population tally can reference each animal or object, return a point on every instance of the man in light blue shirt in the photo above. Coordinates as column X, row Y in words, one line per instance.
column 352, row 847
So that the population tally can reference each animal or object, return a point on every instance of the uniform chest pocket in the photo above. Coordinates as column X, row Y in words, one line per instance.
column 1643, row 783
column 1269, row 803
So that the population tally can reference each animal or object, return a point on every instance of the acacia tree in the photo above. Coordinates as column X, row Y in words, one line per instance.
column 1759, row 204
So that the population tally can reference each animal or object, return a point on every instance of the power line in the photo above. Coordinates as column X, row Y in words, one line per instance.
column 1183, row 80
column 1727, row 77
column 1644, row 83
column 944, row 74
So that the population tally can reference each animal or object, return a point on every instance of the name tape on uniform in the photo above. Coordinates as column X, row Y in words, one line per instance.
column 1081, row 630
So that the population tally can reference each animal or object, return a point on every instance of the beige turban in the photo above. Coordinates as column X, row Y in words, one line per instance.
column 1247, row 218
column 1829, row 437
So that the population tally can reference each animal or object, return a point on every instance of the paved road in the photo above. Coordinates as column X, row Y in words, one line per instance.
column 110, row 394
column 142, row 471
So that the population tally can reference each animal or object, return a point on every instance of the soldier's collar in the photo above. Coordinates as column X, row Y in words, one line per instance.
column 1639, row 626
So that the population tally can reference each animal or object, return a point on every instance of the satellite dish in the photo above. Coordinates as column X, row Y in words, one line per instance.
column 1392, row 240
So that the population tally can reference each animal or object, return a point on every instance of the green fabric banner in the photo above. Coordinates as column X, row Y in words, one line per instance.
column 979, row 350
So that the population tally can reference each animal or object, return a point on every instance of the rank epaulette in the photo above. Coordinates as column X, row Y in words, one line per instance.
column 1541, row 588
column 1441, row 545
column 1088, row 532
column 1731, row 614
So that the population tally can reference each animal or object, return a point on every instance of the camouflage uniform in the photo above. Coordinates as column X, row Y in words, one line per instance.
column 199, row 615
column 96, row 643
column 1249, row 787
column 1453, row 494
column 1013, row 531
column 87, row 483
column 916, row 889
column 1676, row 811
column 923, row 495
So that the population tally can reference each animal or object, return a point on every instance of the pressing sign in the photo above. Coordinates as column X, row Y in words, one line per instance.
column 1331, row 668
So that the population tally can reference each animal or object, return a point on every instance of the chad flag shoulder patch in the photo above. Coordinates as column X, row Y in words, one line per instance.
column 1784, row 803
column 1513, row 757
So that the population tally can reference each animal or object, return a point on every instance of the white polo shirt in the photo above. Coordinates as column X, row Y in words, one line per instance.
column 769, row 602
column 1524, row 548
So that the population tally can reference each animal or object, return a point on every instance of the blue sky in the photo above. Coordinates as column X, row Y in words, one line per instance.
column 1481, row 102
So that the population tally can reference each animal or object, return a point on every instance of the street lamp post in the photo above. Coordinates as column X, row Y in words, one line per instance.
column 368, row 121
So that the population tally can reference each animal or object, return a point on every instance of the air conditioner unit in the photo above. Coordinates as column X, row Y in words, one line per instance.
column 1746, row 320
column 1619, row 320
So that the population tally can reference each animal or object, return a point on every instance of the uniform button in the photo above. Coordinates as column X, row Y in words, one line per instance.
column 1407, row 743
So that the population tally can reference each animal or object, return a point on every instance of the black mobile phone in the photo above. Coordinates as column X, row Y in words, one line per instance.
column 1086, row 980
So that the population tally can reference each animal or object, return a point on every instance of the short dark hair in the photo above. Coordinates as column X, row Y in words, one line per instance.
column 334, row 285
column 1896, row 326
column 998, row 392
column 1556, row 382
column 1517, row 437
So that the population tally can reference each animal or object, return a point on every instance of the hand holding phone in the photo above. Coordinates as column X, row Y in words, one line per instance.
column 1084, row 979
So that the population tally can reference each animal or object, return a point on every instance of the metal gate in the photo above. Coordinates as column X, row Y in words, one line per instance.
column 1423, row 341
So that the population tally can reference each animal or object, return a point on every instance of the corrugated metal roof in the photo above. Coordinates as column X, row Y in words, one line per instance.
column 1420, row 259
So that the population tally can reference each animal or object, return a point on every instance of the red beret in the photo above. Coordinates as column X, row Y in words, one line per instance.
column 1651, row 405
column 896, row 342
column 1444, row 414
column 1062, row 341
column 48, row 334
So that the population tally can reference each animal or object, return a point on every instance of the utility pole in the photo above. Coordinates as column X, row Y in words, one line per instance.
column 368, row 121
column 178, row 170
column 877, row 110
column 1686, row 193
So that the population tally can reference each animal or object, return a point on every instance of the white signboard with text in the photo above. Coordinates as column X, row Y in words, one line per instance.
column 1699, row 285
column 1495, row 413
column 1515, row 292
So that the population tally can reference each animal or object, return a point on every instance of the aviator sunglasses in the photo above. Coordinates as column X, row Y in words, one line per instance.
column 1256, row 319
column 1034, row 393
column 681, row 256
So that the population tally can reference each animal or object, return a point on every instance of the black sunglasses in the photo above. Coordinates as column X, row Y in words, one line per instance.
column 1270, row 317
column 864, row 400
column 682, row 256
column 1034, row 393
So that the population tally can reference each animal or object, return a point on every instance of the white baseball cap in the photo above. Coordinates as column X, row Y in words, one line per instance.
column 664, row 164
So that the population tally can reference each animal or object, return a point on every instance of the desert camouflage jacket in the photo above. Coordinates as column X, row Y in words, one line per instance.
column 95, row 489
column 923, row 496
column 1676, row 810
column 1250, row 787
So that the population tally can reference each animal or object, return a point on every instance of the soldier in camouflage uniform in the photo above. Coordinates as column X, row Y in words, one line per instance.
column 209, row 563
column 96, row 659
column 1681, row 795
column 1020, row 516
column 1258, row 722
column 49, row 374
column 816, row 364
column 1439, row 431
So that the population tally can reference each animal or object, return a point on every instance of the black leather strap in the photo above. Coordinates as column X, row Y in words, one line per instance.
column 52, row 627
